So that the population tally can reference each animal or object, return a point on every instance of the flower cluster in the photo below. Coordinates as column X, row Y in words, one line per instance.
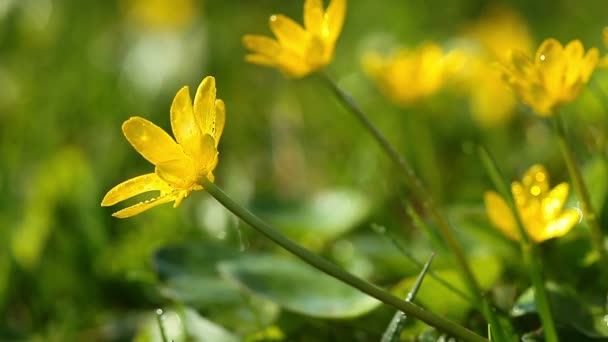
column 180, row 163
column 539, row 208
column 297, row 51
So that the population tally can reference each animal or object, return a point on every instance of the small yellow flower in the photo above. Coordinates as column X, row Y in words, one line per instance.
column 540, row 208
column 298, row 51
column 159, row 14
column 407, row 76
column 555, row 77
column 180, row 163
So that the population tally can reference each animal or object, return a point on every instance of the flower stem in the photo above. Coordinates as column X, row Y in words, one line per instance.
column 528, row 248
column 336, row 272
column 597, row 236
column 422, row 195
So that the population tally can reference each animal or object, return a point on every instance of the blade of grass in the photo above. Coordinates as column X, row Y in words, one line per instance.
column 393, row 331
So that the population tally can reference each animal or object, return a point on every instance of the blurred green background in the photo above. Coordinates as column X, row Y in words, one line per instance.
column 71, row 72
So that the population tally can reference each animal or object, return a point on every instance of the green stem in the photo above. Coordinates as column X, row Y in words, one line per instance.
column 334, row 271
column 529, row 249
column 583, row 193
column 421, row 194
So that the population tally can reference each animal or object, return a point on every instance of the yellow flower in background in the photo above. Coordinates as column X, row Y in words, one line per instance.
column 159, row 14
column 540, row 208
column 407, row 76
column 298, row 51
column 180, row 163
column 554, row 77
column 498, row 31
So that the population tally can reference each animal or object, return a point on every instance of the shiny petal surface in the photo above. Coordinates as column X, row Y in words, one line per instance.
column 143, row 206
column 220, row 120
column 313, row 16
column 204, row 105
column 336, row 12
column 500, row 214
column 559, row 226
column 133, row 187
column 290, row 34
column 178, row 173
column 185, row 128
column 554, row 201
column 151, row 141
column 262, row 45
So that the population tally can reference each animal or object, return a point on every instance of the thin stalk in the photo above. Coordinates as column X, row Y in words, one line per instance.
column 393, row 332
column 159, row 320
column 581, row 189
column 528, row 248
column 334, row 271
column 421, row 194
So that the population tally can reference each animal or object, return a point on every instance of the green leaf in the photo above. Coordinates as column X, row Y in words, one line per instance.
column 190, row 275
column 319, row 219
column 297, row 287
column 569, row 309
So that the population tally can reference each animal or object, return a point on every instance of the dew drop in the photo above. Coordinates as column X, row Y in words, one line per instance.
column 159, row 312
column 543, row 57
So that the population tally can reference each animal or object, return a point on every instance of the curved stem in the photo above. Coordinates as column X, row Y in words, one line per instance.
column 333, row 270
column 581, row 189
column 421, row 194
column 528, row 248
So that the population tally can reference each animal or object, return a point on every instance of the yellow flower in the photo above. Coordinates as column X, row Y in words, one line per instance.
column 498, row 31
column 407, row 76
column 159, row 14
column 298, row 51
column 540, row 208
column 555, row 77
column 180, row 163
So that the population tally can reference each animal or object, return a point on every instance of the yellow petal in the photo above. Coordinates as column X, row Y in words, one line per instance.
column 220, row 120
column 262, row 45
column 151, row 141
column 536, row 180
column 143, row 206
column 500, row 214
column 335, row 18
column 261, row 59
column 207, row 160
column 290, row 34
column 185, row 128
column 549, row 49
column 553, row 203
column 133, row 187
column 313, row 16
column 560, row 226
column 178, row 173
column 204, row 105
column 590, row 62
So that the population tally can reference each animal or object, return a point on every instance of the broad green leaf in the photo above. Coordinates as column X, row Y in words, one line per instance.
column 319, row 219
column 189, row 273
column 569, row 309
column 297, row 287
